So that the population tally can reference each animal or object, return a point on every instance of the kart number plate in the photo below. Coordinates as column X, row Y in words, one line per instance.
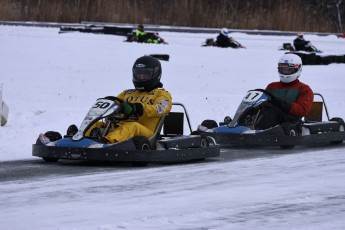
column 252, row 96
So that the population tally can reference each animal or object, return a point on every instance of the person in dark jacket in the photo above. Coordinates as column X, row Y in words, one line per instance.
column 290, row 99
column 223, row 40
column 301, row 44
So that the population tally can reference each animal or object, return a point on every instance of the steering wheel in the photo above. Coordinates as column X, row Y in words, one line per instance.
column 120, row 101
column 114, row 99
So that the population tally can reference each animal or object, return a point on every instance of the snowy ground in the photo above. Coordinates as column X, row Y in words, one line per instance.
column 51, row 80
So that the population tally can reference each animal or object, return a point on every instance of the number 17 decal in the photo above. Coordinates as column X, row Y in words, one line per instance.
column 252, row 96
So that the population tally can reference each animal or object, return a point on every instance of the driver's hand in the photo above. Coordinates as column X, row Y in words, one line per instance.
column 132, row 109
column 127, row 108
column 284, row 105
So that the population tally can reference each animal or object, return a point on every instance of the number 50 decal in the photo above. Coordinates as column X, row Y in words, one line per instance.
column 101, row 105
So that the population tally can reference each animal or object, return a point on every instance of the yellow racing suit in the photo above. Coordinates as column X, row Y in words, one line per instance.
column 156, row 103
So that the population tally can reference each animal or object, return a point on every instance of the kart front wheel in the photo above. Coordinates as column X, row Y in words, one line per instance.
column 53, row 136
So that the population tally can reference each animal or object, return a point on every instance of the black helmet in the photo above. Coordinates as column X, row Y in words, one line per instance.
column 147, row 73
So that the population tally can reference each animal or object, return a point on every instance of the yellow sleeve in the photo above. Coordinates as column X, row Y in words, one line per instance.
column 122, row 95
column 159, row 105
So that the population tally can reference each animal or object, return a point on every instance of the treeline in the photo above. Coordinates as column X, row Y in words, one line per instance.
column 293, row 15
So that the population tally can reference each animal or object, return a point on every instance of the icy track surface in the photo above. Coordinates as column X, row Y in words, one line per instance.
column 51, row 80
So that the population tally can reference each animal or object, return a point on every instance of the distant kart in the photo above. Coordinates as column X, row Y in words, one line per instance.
column 211, row 42
column 240, row 131
column 149, row 37
column 168, row 147
column 308, row 48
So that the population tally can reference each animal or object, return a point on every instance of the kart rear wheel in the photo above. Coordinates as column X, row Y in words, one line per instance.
column 289, row 131
column 341, row 128
column 141, row 143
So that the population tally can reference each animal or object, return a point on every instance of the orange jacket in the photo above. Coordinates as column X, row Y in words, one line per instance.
column 297, row 93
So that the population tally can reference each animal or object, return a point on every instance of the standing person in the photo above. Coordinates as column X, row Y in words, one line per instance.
column 223, row 40
column 144, row 105
column 290, row 99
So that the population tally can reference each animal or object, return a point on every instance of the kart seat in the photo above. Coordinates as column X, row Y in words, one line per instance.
column 315, row 113
column 172, row 125
column 158, row 130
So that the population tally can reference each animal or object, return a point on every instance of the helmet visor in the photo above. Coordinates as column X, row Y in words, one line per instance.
column 288, row 69
column 142, row 74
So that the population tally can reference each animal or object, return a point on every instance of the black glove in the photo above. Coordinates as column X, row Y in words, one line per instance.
column 284, row 105
column 132, row 109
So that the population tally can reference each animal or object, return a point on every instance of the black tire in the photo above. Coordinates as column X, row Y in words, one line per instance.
column 72, row 130
column 339, row 120
column 210, row 124
column 53, row 136
column 341, row 128
column 141, row 143
column 204, row 143
column 289, row 131
column 50, row 159
column 38, row 142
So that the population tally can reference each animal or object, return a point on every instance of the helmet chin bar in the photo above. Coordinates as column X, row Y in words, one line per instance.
column 140, row 88
column 288, row 78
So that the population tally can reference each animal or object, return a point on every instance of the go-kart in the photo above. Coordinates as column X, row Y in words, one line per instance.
column 308, row 48
column 169, row 146
column 149, row 37
column 212, row 42
column 241, row 130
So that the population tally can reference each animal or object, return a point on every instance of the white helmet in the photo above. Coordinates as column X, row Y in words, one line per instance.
column 289, row 67
column 224, row 31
